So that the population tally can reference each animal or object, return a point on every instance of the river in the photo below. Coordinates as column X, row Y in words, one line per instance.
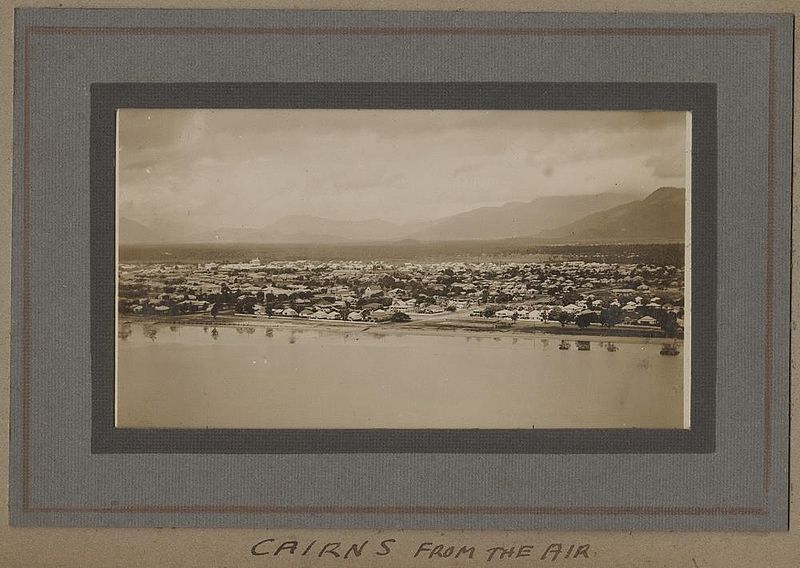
column 191, row 376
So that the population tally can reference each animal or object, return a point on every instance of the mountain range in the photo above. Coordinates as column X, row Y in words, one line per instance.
column 576, row 218
column 657, row 217
column 133, row 232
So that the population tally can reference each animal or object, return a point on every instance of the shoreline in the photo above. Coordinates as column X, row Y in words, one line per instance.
column 394, row 328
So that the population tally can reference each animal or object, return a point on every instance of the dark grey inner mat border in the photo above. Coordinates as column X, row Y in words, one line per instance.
column 699, row 98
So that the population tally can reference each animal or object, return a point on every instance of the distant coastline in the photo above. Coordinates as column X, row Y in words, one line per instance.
column 503, row 250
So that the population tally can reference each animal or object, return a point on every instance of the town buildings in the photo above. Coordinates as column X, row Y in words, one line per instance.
column 569, row 292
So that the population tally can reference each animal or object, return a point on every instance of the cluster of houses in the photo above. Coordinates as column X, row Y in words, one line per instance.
column 321, row 314
column 640, row 310
column 571, row 291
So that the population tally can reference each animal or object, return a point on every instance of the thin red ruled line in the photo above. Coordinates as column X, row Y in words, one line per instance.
column 419, row 510
column 26, row 311
column 770, row 315
column 397, row 31
column 353, row 31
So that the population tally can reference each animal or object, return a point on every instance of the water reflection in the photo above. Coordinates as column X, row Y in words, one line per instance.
column 150, row 331
column 125, row 331
column 502, row 383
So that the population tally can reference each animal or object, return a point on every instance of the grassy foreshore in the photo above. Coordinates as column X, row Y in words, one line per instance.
column 454, row 326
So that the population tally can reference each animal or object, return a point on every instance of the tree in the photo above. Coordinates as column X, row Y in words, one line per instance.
column 132, row 291
column 388, row 282
column 399, row 317
column 585, row 318
column 246, row 305
column 227, row 294
column 669, row 323
column 611, row 316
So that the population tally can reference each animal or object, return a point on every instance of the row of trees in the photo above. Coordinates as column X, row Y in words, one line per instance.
column 607, row 317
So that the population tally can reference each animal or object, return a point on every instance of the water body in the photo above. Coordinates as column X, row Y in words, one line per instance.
column 190, row 376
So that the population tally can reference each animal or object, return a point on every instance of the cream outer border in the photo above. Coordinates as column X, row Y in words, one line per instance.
column 87, row 547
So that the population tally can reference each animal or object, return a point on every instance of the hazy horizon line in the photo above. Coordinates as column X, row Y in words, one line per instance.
column 636, row 195
column 532, row 240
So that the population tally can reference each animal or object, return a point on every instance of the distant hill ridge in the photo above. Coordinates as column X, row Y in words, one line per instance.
column 519, row 219
column 602, row 217
column 658, row 217
column 133, row 232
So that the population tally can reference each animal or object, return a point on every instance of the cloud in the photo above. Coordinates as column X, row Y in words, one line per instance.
column 194, row 170
column 668, row 165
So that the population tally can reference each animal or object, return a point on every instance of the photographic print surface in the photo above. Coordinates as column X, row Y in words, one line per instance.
column 402, row 269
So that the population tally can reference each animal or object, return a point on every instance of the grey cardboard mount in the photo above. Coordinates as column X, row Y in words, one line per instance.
column 57, row 479
column 697, row 98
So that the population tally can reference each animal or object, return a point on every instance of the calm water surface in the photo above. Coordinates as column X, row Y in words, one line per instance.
column 290, row 377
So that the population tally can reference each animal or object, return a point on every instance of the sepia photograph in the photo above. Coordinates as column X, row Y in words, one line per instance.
column 403, row 269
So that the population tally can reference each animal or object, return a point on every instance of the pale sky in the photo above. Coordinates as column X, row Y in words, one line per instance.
column 186, row 170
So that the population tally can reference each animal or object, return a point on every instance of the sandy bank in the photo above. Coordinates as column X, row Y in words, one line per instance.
column 413, row 327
